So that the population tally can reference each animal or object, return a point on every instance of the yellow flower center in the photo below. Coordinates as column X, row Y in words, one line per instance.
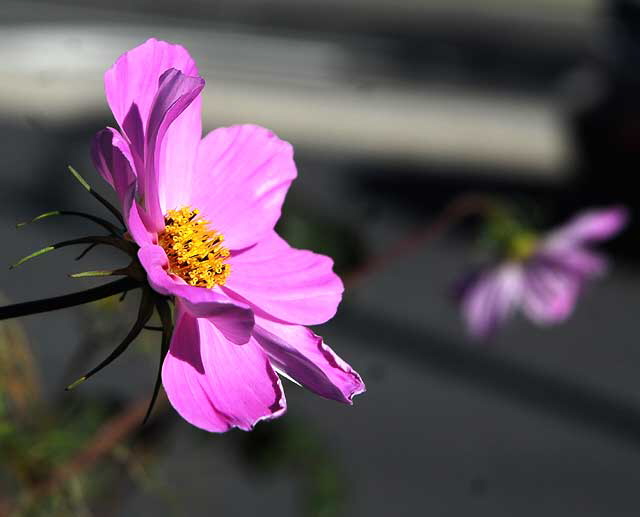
column 522, row 246
column 195, row 251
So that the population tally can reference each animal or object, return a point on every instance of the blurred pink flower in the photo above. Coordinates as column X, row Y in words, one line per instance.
column 541, row 276
column 203, row 212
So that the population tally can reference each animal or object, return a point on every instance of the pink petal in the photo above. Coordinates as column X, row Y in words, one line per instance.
column 234, row 319
column 550, row 293
column 133, row 79
column 132, row 88
column 141, row 235
column 112, row 158
column 579, row 261
column 216, row 385
column 305, row 357
column 491, row 299
column 185, row 381
column 589, row 226
column 176, row 92
column 291, row 285
column 242, row 175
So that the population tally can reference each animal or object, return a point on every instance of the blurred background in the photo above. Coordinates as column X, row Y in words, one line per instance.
column 394, row 108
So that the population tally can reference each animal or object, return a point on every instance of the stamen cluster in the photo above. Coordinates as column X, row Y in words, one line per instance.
column 195, row 251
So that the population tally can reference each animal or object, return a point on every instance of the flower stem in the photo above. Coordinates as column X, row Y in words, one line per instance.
column 67, row 300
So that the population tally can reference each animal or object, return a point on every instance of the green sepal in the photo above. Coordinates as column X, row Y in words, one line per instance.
column 164, row 311
column 126, row 246
column 113, row 229
column 144, row 314
column 90, row 274
column 33, row 255
column 97, row 196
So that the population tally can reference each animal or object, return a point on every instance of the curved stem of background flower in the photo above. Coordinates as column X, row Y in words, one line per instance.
column 458, row 209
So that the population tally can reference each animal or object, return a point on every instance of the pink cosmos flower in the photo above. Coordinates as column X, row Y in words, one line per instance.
column 203, row 211
column 543, row 277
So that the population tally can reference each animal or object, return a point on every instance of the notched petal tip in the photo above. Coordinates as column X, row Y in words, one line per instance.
column 308, row 360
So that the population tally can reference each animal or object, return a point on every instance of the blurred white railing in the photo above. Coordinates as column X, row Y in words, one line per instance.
column 300, row 87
